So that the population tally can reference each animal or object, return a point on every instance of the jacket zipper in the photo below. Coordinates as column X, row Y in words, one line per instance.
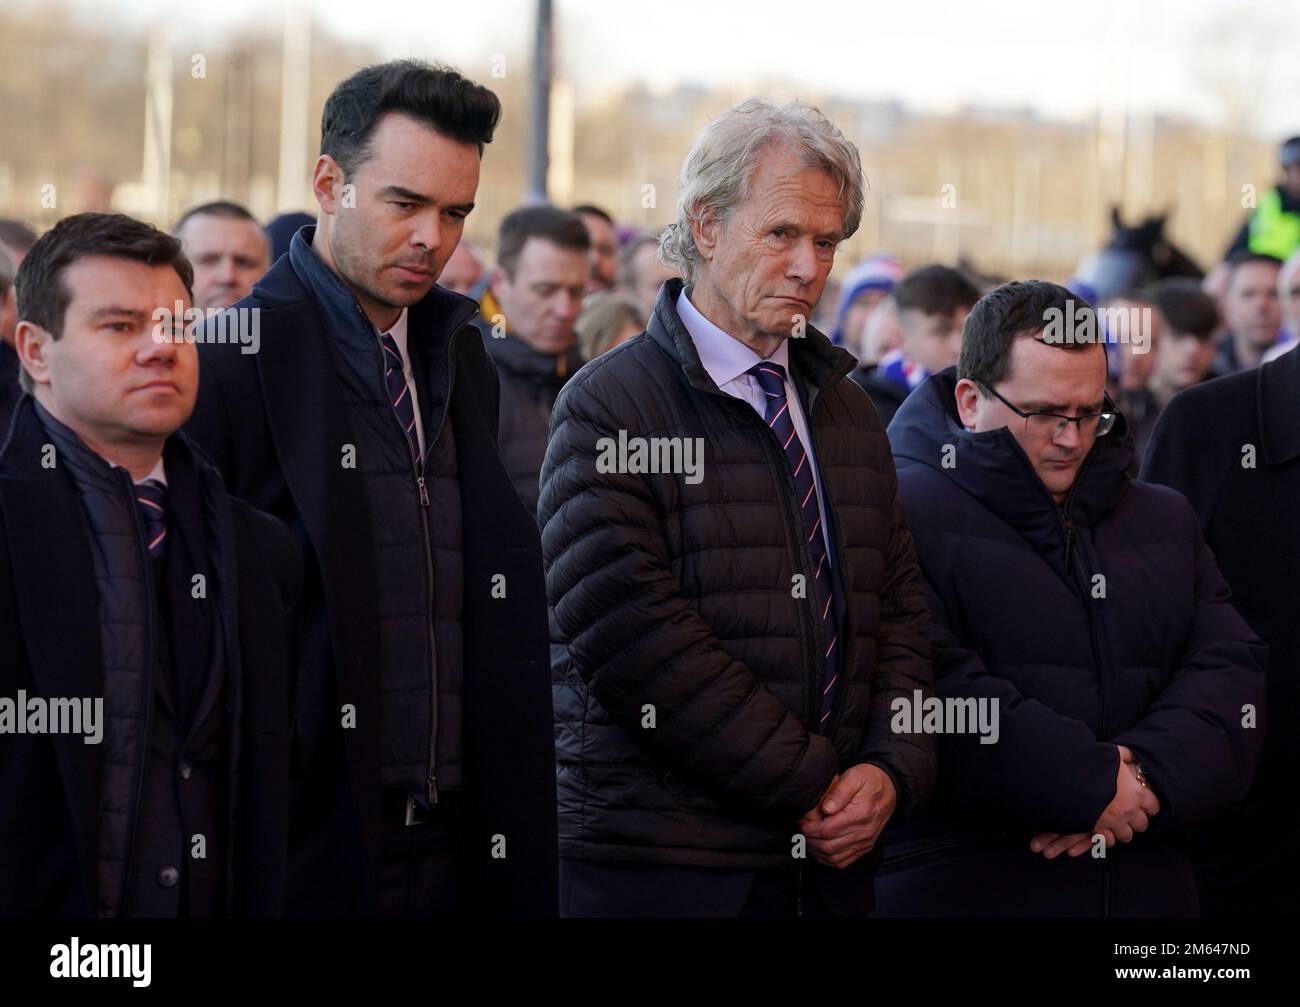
column 813, row 675
column 417, row 471
column 1082, row 581
column 124, row 903
column 810, row 683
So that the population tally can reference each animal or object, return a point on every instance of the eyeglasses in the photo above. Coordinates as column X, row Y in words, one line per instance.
column 1048, row 426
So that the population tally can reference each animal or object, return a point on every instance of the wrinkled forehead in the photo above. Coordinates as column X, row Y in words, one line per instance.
column 785, row 183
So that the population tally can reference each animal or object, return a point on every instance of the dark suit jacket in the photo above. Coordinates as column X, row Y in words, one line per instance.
column 50, row 645
column 1232, row 447
column 276, row 423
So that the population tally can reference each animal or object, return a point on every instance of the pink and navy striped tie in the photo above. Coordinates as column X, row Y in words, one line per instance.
column 151, row 502
column 399, row 392
column 771, row 378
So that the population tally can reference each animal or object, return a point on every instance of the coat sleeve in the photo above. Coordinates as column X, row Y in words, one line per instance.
column 903, row 668
column 1186, row 454
column 1200, row 739
column 1045, row 771
column 637, row 642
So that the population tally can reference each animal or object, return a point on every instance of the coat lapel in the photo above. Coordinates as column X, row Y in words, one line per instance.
column 58, row 608
column 309, row 428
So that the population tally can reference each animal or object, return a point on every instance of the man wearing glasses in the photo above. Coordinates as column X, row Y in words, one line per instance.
column 1079, row 612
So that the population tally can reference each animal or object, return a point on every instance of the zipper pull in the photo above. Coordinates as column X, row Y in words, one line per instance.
column 432, row 791
column 1069, row 542
column 424, row 491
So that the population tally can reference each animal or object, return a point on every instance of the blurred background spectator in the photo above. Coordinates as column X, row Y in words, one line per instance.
column 607, row 320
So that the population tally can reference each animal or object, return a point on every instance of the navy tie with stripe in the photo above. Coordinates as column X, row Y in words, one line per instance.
column 771, row 378
column 151, row 502
column 399, row 392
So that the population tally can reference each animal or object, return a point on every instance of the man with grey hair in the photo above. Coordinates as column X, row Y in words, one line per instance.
column 736, row 607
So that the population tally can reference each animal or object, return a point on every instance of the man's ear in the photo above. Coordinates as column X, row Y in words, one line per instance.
column 327, row 183
column 497, row 278
column 706, row 229
column 30, row 343
column 967, row 394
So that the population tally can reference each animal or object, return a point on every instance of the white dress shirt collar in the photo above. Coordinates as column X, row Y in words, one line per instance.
column 724, row 357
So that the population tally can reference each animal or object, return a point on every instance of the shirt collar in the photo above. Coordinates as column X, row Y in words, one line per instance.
column 398, row 330
column 158, row 472
column 724, row 357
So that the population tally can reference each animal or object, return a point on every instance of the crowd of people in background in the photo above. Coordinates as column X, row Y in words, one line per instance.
column 902, row 325
column 949, row 527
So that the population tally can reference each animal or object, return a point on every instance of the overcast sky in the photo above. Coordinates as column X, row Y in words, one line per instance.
column 1062, row 58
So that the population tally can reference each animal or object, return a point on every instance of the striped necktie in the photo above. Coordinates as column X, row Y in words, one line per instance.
column 771, row 378
column 399, row 392
column 151, row 502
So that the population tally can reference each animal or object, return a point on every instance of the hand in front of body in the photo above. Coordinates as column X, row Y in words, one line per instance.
column 1128, row 813
column 847, row 821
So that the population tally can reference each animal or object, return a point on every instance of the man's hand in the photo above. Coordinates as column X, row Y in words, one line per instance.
column 1128, row 813
column 846, row 822
column 1134, row 805
column 1052, row 844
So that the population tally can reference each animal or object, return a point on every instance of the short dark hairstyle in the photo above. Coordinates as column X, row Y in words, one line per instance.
column 1008, row 313
column 935, row 290
column 432, row 94
column 550, row 223
column 16, row 235
column 1185, row 307
column 43, row 298
column 1243, row 256
column 586, row 209
column 217, row 208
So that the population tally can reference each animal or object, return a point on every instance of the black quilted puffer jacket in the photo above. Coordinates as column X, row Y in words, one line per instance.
column 685, row 668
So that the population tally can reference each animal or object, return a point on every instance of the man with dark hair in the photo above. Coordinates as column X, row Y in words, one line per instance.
column 1132, row 329
column 1273, row 227
column 933, row 302
column 135, row 593
column 1232, row 447
column 367, row 421
column 1079, row 621
column 1188, row 320
column 229, row 251
column 604, row 247
column 528, row 324
column 1251, row 311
